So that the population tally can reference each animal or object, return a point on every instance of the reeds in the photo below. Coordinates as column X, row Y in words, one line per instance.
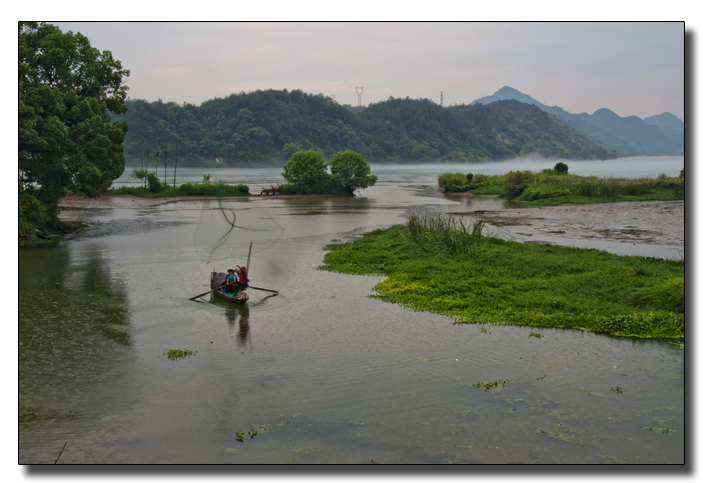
column 549, row 185
column 448, row 233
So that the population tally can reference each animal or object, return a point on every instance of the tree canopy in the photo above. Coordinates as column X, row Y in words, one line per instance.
column 306, row 172
column 350, row 172
column 67, row 89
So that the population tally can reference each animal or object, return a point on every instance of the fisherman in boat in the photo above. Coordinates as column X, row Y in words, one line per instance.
column 243, row 278
column 230, row 285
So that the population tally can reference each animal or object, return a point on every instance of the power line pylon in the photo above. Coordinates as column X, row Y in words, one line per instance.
column 358, row 93
column 441, row 98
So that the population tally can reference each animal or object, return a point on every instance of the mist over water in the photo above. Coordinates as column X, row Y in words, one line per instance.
column 337, row 376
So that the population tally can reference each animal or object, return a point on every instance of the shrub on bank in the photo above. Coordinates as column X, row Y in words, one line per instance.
column 32, row 213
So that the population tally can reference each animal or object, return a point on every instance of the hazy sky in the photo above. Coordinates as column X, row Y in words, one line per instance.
column 631, row 68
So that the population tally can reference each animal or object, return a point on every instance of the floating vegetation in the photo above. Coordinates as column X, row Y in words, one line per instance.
column 463, row 446
column 175, row 354
column 230, row 450
column 476, row 279
column 536, row 334
column 483, row 330
column 252, row 433
column 616, row 389
column 488, row 385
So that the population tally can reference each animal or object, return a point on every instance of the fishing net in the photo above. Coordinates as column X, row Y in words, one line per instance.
column 227, row 227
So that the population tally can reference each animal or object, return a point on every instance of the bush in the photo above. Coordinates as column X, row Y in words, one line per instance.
column 153, row 182
column 453, row 182
column 515, row 182
column 561, row 168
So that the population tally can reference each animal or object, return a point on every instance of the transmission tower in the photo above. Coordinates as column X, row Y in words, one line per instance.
column 359, row 92
column 441, row 98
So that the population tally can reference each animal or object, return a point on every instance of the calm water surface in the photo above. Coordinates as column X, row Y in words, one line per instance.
column 337, row 377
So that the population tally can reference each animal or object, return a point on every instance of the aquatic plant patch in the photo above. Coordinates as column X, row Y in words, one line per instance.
column 485, row 280
column 175, row 354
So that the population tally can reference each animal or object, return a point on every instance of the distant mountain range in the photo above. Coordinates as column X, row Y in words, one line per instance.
column 658, row 135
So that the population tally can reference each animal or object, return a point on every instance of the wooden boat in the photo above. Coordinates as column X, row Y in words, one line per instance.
column 216, row 279
column 239, row 298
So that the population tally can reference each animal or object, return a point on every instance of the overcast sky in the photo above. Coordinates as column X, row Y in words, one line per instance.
column 630, row 68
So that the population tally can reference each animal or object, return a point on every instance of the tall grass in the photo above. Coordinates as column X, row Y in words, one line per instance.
column 549, row 186
column 560, row 188
column 448, row 233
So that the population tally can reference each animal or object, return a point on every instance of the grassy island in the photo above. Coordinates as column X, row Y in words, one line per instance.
column 555, row 187
column 445, row 265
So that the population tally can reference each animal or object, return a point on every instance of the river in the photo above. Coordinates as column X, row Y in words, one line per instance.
column 336, row 376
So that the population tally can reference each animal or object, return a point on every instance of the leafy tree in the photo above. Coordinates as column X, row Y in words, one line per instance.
column 154, row 182
column 139, row 174
column 67, row 140
column 350, row 172
column 561, row 168
column 306, row 172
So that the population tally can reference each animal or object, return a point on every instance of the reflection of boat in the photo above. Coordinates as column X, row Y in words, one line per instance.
column 216, row 279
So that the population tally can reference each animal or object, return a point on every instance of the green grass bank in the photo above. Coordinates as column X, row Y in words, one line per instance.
column 447, row 266
column 550, row 187
column 185, row 189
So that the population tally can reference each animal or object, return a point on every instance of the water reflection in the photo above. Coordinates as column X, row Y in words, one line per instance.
column 328, row 206
column 234, row 314
column 238, row 315
column 74, row 331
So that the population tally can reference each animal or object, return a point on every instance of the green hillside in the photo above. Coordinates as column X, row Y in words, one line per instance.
column 264, row 128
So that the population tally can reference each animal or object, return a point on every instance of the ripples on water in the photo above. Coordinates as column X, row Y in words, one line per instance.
column 337, row 376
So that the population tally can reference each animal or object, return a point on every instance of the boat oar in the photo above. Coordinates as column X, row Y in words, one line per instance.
column 264, row 289
column 209, row 291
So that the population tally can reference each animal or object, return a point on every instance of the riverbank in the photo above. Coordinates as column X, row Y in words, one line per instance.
column 500, row 282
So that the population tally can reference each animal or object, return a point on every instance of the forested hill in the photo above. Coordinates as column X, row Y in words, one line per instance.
column 264, row 128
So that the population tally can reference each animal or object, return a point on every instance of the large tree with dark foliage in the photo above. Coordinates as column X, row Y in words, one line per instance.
column 67, row 140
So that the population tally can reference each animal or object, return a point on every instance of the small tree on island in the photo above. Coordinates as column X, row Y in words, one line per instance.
column 306, row 172
column 351, row 172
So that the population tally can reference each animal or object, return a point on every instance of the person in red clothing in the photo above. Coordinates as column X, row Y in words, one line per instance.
column 243, row 278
